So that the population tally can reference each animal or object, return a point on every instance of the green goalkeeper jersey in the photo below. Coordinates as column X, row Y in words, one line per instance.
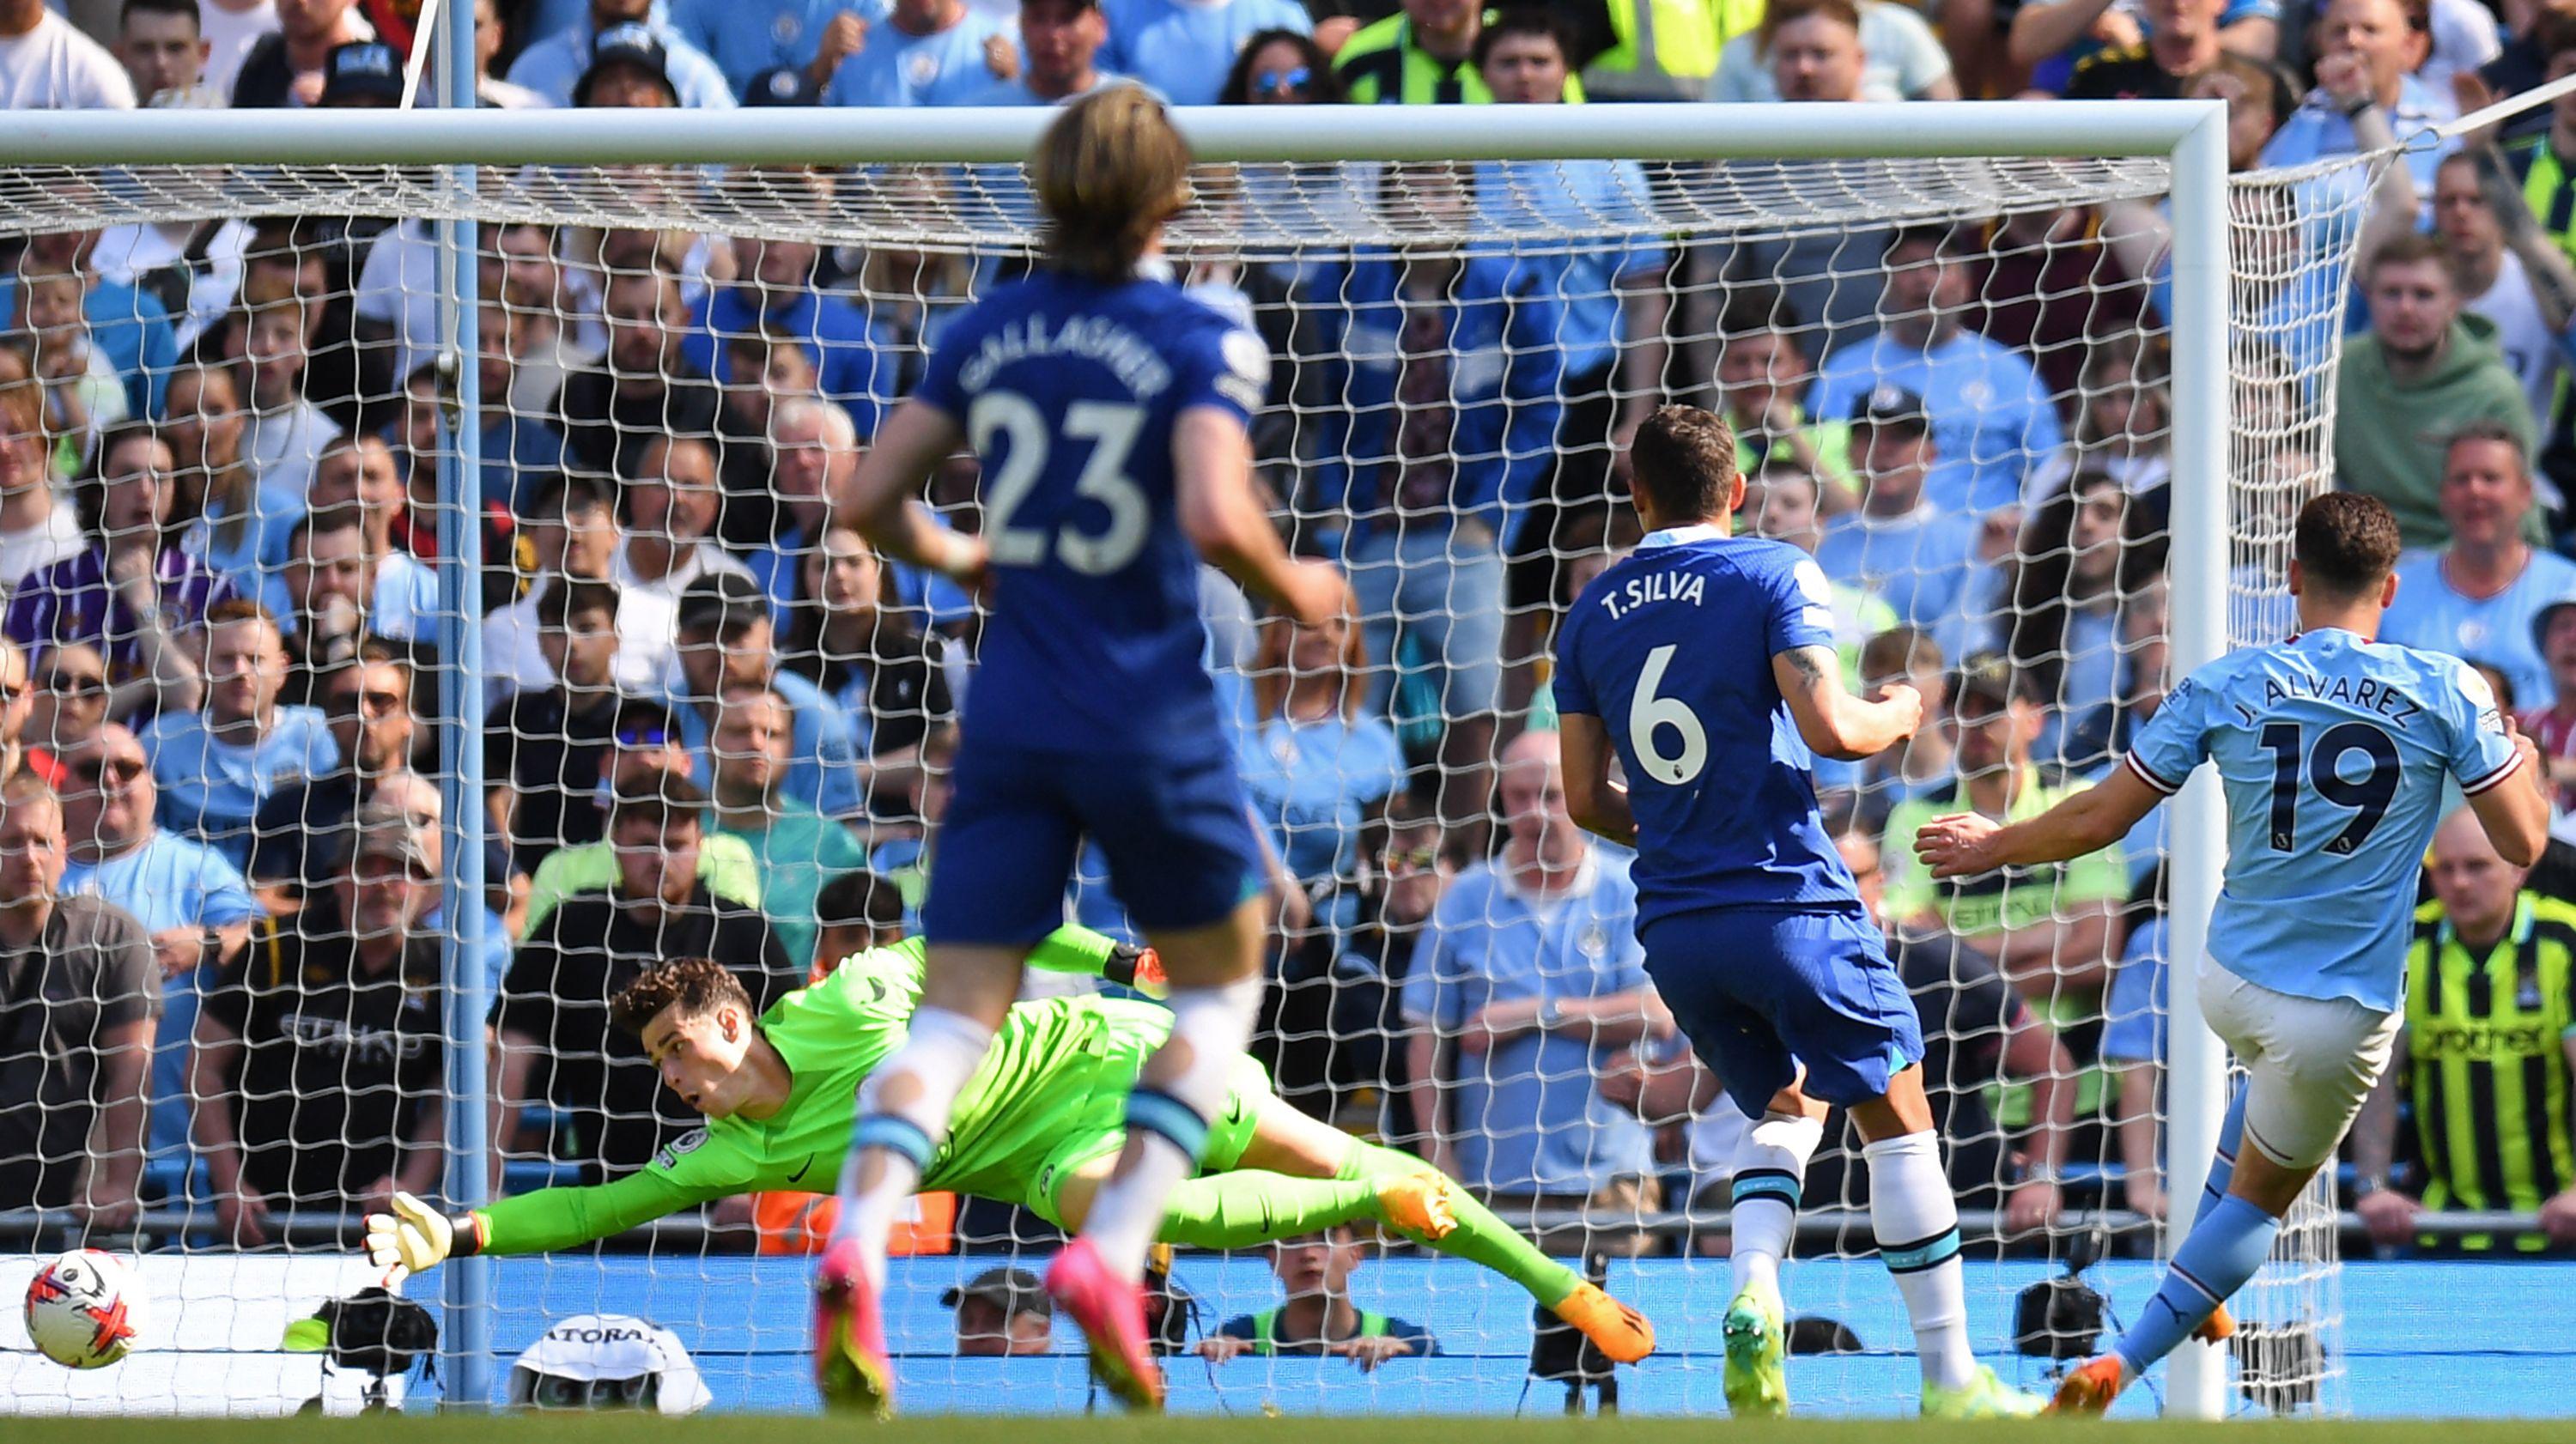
column 1053, row 1068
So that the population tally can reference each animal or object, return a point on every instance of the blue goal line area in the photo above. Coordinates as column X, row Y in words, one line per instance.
column 2421, row 1339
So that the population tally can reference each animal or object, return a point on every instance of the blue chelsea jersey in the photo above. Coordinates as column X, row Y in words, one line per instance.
column 1069, row 390
column 2333, row 752
column 1672, row 649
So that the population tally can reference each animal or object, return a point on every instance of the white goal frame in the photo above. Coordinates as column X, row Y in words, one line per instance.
column 2190, row 135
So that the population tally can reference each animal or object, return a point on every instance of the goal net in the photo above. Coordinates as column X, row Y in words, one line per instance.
column 705, row 725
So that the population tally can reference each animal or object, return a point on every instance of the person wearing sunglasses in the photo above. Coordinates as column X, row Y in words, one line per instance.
column 1281, row 67
column 320, row 1065
column 1183, row 48
column 65, row 707
column 191, row 900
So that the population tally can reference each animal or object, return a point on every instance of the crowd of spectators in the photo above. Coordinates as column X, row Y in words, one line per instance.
column 720, row 726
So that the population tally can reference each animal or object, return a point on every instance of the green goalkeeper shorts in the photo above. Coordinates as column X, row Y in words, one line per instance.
column 1052, row 1098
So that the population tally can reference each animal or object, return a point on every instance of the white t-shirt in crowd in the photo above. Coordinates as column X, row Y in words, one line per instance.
column 2529, row 346
column 229, row 36
column 282, row 445
column 55, row 67
column 24, row 553
column 2464, row 38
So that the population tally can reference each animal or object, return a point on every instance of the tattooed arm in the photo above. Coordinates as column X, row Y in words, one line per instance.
column 1834, row 722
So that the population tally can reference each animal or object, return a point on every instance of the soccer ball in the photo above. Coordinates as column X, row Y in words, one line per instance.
column 81, row 1309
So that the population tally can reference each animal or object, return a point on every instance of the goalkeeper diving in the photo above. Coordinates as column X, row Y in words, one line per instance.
column 1039, row 1124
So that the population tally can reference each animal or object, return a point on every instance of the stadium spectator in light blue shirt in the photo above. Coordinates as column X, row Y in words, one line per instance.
column 1060, row 43
column 727, row 642
column 2382, row 37
column 925, row 52
column 1917, row 557
column 554, row 66
column 1989, row 412
column 214, row 768
column 191, row 900
column 1527, row 976
column 746, row 38
column 1184, row 48
column 2478, row 597
column 1320, row 770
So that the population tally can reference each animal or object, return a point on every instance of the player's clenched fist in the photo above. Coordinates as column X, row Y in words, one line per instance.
column 1959, row 845
column 412, row 1238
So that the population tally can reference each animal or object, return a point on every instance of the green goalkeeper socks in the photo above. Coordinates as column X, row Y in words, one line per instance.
column 1247, row 1208
column 1480, row 1236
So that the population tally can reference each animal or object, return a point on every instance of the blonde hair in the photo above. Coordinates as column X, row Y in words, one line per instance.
column 1108, row 173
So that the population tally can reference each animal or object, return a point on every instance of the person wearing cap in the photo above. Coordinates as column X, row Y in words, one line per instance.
column 1002, row 1313
column 1991, row 418
column 1063, row 40
column 728, row 643
column 1318, row 1316
column 645, row 746
column 630, row 69
column 320, row 1063
column 781, row 85
column 552, row 1017
column 1919, row 558
column 362, row 75
column 607, row 1361
column 2047, row 927
column 565, row 66
column 925, row 52
column 2480, row 597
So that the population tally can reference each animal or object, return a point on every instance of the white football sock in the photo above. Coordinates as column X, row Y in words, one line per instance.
column 1213, row 1025
column 1764, row 1213
column 942, row 1050
column 1916, row 1220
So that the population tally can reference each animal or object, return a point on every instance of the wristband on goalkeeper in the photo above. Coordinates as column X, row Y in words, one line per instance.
column 1130, row 966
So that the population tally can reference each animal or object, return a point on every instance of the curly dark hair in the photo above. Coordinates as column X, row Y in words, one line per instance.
column 696, row 986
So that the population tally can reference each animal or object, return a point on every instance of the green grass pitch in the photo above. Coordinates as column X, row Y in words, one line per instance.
column 1238, row 1429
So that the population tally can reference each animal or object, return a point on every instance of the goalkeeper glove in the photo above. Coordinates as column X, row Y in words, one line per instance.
column 415, row 1238
column 1138, row 968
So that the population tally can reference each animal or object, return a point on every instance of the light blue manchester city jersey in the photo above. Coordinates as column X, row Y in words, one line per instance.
column 2333, row 752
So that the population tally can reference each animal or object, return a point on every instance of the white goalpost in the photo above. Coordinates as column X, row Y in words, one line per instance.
column 1743, row 208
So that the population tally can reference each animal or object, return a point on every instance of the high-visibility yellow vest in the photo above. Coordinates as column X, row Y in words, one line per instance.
column 1667, row 49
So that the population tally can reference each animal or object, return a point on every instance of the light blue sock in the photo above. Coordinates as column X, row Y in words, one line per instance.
column 2221, row 1253
column 2222, row 1168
